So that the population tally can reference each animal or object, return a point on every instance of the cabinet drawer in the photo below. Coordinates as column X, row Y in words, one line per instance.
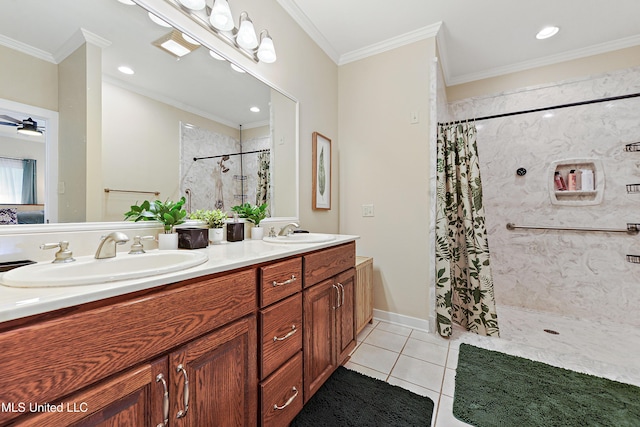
column 281, row 394
column 281, row 331
column 321, row 265
column 279, row 280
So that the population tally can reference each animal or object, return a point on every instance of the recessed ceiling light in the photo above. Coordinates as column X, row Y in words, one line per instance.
column 216, row 56
column 159, row 21
column 125, row 70
column 254, row 109
column 234, row 67
column 547, row 32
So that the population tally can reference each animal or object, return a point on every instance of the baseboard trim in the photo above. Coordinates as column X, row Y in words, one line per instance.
column 402, row 320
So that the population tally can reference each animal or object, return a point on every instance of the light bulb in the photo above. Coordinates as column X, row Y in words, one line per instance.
column 246, row 37
column 267, row 51
column 221, row 16
column 193, row 4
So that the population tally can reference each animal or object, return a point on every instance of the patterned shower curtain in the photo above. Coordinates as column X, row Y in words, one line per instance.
column 263, row 190
column 464, row 284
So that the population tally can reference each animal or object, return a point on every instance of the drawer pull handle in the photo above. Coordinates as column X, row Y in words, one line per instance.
column 286, row 282
column 183, row 412
column 291, row 332
column 291, row 399
column 165, row 401
column 341, row 293
column 336, row 304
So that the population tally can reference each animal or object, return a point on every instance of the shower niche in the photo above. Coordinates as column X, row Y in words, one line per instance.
column 581, row 196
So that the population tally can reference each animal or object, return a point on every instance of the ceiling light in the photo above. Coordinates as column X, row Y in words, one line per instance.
column 216, row 56
column 221, row 16
column 193, row 4
column 234, row 67
column 254, row 109
column 159, row 21
column 29, row 127
column 126, row 70
column 127, row 2
column 266, row 51
column 175, row 44
column 246, row 37
column 547, row 32
column 190, row 39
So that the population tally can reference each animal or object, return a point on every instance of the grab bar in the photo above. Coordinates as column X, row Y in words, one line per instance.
column 109, row 190
column 631, row 228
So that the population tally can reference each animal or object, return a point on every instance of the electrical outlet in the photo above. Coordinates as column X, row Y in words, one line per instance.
column 414, row 118
column 367, row 210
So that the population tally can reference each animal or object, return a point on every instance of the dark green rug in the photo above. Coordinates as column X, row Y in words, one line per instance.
column 495, row 389
column 350, row 399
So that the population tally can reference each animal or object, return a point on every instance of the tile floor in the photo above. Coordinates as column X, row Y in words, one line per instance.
column 425, row 363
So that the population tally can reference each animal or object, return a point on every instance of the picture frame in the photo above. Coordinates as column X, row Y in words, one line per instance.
column 321, row 156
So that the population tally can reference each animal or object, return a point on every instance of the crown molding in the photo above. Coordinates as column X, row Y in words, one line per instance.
column 79, row 38
column 542, row 62
column 307, row 26
column 392, row 43
column 27, row 49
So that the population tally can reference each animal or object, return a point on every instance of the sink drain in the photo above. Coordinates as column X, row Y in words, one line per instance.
column 551, row 331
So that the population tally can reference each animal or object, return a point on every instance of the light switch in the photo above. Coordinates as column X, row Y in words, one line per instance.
column 367, row 210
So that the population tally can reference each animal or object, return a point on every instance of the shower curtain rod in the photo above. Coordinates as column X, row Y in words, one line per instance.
column 554, row 107
column 266, row 150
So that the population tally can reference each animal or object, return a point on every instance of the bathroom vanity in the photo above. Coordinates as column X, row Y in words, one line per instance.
column 244, row 339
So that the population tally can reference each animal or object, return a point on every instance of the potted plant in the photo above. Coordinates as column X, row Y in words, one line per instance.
column 215, row 220
column 168, row 213
column 253, row 214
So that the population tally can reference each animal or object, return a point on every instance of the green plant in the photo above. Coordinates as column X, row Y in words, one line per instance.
column 214, row 218
column 252, row 213
column 169, row 213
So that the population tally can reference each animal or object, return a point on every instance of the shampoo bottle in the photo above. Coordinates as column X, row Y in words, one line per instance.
column 560, row 186
column 571, row 178
column 587, row 180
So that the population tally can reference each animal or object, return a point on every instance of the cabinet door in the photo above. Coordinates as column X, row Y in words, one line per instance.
column 214, row 378
column 134, row 398
column 319, row 344
column 345, row 319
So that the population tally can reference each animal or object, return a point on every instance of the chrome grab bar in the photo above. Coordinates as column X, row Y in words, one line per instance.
column 632, row 228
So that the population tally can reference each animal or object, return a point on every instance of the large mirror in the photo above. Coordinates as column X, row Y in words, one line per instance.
column 111, row 139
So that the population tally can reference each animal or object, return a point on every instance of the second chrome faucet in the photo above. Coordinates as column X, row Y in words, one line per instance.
column 108, row 242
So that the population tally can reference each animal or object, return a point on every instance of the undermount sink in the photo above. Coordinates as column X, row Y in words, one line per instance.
column 301, row 238
column 87, row 270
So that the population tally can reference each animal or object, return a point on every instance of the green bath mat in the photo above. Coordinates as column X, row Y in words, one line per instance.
column 350, row 399
column 495, row 389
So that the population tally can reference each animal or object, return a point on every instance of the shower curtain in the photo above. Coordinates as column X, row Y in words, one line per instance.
column 464, row 284
column 263, row 190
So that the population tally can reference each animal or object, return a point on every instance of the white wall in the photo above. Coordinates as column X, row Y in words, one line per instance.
column 580, row 274
column 384, row 161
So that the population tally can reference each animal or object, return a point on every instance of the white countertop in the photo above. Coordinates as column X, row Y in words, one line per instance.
column 16, row 303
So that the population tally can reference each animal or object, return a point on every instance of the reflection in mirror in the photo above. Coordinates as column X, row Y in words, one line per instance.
column 127, row 131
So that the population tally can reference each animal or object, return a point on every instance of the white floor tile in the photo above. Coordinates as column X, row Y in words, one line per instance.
column 374, row 357
column 387, row 340
column 432, row 338
column 396, row 329
column 366, row 371
column 449, row 383
column 444, row 416
column 426, row 351
column 419, row 372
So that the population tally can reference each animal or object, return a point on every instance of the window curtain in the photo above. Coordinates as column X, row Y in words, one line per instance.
column 464, row 284
column 29, row 182
column 263, row 190
column 11, row 177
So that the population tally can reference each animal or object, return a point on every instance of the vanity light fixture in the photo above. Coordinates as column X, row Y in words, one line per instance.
column 175, row 44
column 218, row 20
column 547, row 32
column 234, row 67
column 216, row 56
column 127, row 2
column 194, row 4
column 159, row 21
column 29, row 127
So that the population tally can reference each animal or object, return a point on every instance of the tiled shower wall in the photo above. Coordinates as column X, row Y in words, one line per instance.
column 579, row 274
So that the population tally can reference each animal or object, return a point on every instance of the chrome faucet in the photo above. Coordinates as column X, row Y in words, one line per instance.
column 287, row 230
column 107, row 247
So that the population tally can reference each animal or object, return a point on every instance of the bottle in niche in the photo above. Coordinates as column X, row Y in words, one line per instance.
column 571, row 180
column 559, row 181
column 587, row 180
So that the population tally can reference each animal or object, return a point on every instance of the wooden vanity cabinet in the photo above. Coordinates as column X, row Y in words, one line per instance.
column 207, row 325
column 328, row 305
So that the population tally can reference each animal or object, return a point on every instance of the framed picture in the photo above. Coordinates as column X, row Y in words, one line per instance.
column 321, row 172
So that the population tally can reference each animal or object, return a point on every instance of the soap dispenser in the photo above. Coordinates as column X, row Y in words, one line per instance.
column 235, row 230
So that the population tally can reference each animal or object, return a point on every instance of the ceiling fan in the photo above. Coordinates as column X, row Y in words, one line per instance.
column 26, row 126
